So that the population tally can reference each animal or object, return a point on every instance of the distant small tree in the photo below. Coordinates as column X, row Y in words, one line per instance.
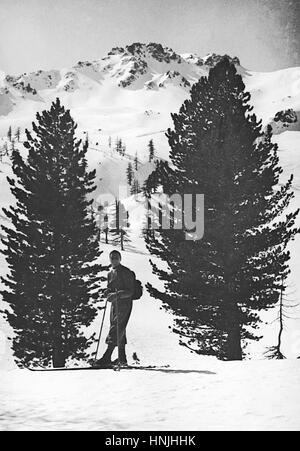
column 109, row 142
column 119, row 146
column 18, row 134
column 116, row 145
column 106, row 228
column 135, row 187
column 129, row 174
column 136, row 162
column 9, row 134
column 151, row 150
column 124, row 238
column 275, row 352
column 120, row 225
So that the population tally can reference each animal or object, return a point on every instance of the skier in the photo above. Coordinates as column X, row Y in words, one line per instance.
column 120, row 292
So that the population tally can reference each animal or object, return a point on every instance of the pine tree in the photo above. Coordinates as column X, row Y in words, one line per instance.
column 116, row 147
column 129, row 173
column 151, row 150
column 106, row 228
column 54, row 282
column 109, row 142
column 119, row 146
column 9, row 134
column 136, row 162
column 220, row 283
column 18, row 134
column 123, row 238
column 120, row 224
column 135, row 187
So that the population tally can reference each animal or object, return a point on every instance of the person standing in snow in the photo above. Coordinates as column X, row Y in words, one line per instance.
column 120, row 292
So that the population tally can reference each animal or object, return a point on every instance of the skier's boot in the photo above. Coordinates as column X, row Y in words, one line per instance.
column 105, row 360
column 122, row 361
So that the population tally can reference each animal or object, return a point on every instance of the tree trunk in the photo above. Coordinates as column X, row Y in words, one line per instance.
column 233, row 318
column 281, row 329
column 58, row 358
column 234, row 346
column 234, row 339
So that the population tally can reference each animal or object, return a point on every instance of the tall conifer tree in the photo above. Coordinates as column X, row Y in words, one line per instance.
column 217, row 286
column 51, row 249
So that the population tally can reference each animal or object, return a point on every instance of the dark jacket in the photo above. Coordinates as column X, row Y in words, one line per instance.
column 122, row 279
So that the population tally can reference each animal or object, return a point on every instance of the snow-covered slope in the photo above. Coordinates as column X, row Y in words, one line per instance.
column 259, row 396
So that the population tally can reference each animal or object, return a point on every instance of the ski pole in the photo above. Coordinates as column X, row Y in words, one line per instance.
column 118, row 330
column 101, row 328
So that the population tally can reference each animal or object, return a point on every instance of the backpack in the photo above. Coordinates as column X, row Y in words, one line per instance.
column 138, row 291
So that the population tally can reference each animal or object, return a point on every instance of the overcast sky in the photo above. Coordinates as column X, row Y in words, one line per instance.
column 47, row 34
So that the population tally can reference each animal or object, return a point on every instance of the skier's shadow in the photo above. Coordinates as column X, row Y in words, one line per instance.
column 176, row 371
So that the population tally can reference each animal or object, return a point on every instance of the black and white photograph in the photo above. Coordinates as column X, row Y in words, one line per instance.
column 149, row 218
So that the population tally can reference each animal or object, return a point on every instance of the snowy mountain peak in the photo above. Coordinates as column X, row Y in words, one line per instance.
column 136, row 66
column 211, row 59
column 138, row 62
column 141, row 74
column 154, row 50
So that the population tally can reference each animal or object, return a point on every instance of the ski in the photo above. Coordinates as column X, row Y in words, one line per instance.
column 108, row 367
